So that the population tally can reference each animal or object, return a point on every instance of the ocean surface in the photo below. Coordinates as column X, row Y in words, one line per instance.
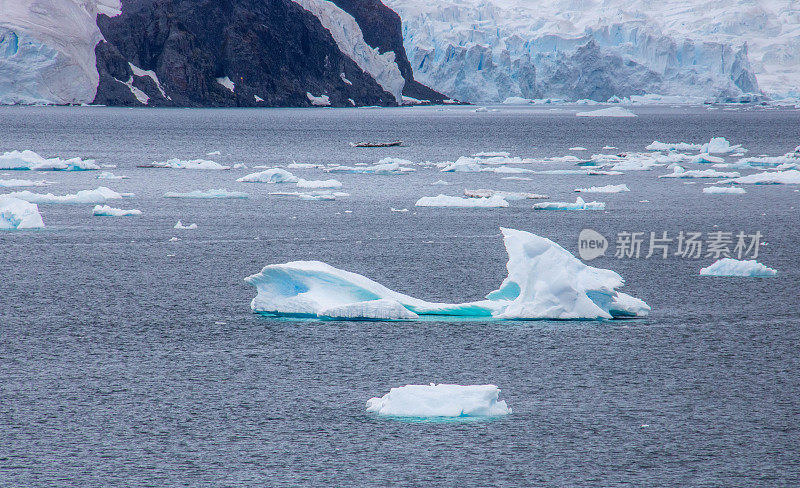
column 129, row 360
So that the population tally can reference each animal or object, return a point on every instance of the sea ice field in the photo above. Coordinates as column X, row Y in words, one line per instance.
column 130, row 354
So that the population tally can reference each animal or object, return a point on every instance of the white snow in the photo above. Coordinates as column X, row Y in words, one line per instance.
column 29, row 160
column 214, row 193
column 257, row 98
column 272, row 175
column 724, row 190
column 17, row 183
column 320, row 101
column 604, row 189
column 450, row 201
column 141, row 96
column 107, row 211
column 137, row 71
column 227, row 83
column 344, row 79
column 544, row 281
column 348, row 36
column 735, row 267
column 607, row 112
column 97, row 196
column 578, row 205
column 176, row 163
column 16, row 214
column 179, row 225
column 788, row 177
column 425, row 401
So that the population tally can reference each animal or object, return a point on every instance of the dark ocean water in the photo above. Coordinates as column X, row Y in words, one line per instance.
column 129, row 360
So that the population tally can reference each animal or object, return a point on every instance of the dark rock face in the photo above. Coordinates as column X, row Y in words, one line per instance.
column 271, row 49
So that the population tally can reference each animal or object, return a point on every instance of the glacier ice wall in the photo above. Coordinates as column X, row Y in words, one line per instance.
column 487, row 50
column 348, row 36
column 47, row 49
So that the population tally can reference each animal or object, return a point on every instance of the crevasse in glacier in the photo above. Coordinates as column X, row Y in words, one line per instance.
column 47, row 50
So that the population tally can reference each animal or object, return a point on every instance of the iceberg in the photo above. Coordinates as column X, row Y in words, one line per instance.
column 680, row 172
column 604, row 189
column 424, row 401
column 272, row 175
column 506, row 195
column 578, row 205
column 721, row 190
column 720, row 145
column 214, row 193
column 16, row 214
column 673, row 146
column 448, row 201
column 176, row 163
column 735, row 267
column 179, row 225
column 18, row 183
column 788, row 177
column 545, row 281
column 108, row 175
column 386, row 166
column 301, row 183
column 97, row 196
column 107, row 211
column 607, row 112
column 29, row 160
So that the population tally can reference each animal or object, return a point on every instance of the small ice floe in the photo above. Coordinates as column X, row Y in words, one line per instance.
column 386, row 166
column 320, row 101
column 788, row 177
column 213, row 193
column 174, row 239
column 96, row 196
column 609, row 148
column 704, row 158
column 720, row 145
column 724, row 190
column 239, row 166
column 578, row 205
column 312, row 195
column 477, row 163
column 294, row 165
column 517, row 178
column 680, row 172
column 604, row 189
column 398, row 209
column 108, row 175
column 180, row 225
column 450, row 201
column 22, row 183
column 107, row 211
column 440, row 182
column 431, row 401
column 507, row 195
column 301, row 183
column 735, row 267
column 195, row 164
column 577, row 148
column 673, row 146
column 213, row 153
column 492, row 154
column 607, row 112
column 29, row 160
column 272, row 175
column 17, row 214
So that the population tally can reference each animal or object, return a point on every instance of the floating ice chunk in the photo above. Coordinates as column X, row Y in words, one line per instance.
column 578, row 205
column 720, row 145
column 174, row 239
column 380, row 309
column 97, row 196
column 18, row 183
column 17, row 214
column 679, row 172
column 239, row 166
column 29, row 160
column 723, row 190
column 609, row 148
column 577, row 148
column 313, row 195
column 507, row 195
column 386, row 166
column 272, row 175
column 449, row 201
column 398, row 209
column 227, row 83
column 301, row 183
column 440, row 182
column 303, row 166
column 517, row 101
column 176, row 163
column 508, row 170
column 107, row 211
column 705, row 158
column 735, row 267
column 425, row 401
column 180, row 225
column 213, row 153
column 789, row 177
column 673, row 146
column 492, row 154
column 604, row 189
column 607, row 112
column 108, row 175
column 214, row 193
column 320, row 101
column 519, row 178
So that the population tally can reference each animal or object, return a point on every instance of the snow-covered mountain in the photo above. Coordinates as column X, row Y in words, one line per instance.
column 487, row 50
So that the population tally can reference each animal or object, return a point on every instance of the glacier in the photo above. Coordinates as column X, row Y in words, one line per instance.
column 47, row 50
column 544, row 281
column 735, row 267
column 491, row 50
column 17, row 214
column 442, row 400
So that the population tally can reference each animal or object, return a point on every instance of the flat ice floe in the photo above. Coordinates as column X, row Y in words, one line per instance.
column 301, row 183
column 272, row 175
column 604, row 189
column 579, row 204
column 607, row 112
column 673, row 146
column 426, row 401
column 97, row 196
column 450, row 201
column 198, row 164
column 16, row 214
column 214, row 193
column 506, row 195
column 545, row 281
column 722, row 190
column 29, row 160
column 386, row 166
column 735, row 267
column 788, row 177
column 720, row 145
column 108, row 175
column 179, row 225
column 107, row 211
column 22, row 183
column 680, row 172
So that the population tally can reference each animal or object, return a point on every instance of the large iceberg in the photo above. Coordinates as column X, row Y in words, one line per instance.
column 19, row 214
column 97, row 196
column 29, row 160
column 423, row 401
column 545, row 281
column 735, row 267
